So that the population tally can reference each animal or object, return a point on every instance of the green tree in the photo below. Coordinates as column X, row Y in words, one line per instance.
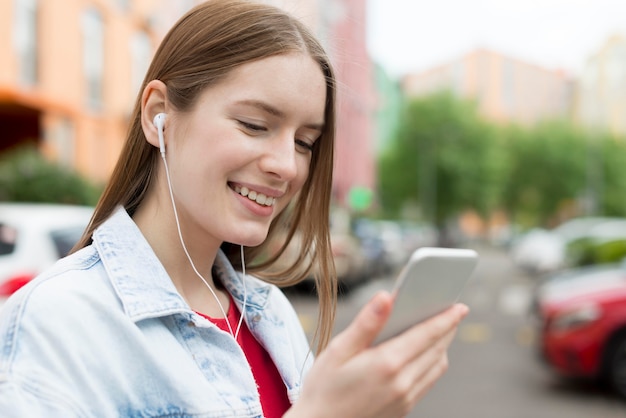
column 444, row 157
column 546, row 170
column 26, row 176
column 613, row 176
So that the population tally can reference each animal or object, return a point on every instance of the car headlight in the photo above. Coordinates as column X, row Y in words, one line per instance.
column 576, row 317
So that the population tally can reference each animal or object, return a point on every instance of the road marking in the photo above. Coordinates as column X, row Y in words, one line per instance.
column 515, row 299
column 525, row 336
column 474, row 333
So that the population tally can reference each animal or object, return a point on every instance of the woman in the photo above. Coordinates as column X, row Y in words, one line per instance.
column 161, row 312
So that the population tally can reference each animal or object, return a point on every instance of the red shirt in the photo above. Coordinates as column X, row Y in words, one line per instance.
column 272, row 390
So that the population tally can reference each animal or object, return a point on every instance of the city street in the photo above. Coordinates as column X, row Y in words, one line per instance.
column 494, row 371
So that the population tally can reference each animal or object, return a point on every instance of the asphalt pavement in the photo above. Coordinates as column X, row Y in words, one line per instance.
column 495, row 370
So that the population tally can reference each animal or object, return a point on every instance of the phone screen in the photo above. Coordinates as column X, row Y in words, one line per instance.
column 432, row 281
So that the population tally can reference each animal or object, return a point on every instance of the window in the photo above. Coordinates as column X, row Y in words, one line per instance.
column 140, row 54
column 616, row 70
column 93, row 57
column 65, row 239
column 25, row 38
column 457, row 71
column 8, row 238
column 61, row 136
column 508, row 85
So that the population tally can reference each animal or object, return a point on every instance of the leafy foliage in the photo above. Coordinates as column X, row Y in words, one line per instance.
column 443, row 158
column 26, row 176
column 611, row 177
column 587, row 251
column 547, row 169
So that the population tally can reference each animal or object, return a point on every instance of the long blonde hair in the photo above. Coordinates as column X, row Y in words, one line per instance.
column 199, row 51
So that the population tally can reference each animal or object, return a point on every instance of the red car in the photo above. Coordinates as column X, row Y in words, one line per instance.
column 583, row 324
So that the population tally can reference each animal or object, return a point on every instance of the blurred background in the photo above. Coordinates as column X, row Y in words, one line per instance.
column 493, row 124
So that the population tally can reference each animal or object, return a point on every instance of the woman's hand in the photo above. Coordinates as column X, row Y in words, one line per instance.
column 351, row 378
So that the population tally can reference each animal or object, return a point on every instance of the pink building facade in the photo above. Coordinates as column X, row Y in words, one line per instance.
column 355, row 165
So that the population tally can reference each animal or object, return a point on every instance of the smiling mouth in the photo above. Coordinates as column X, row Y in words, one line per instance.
column 259, row 198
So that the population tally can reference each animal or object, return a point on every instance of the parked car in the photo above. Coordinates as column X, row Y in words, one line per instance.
column 582, row 324
column 389, row 244
column 348, row 256
column 538, row 251
column 350, row 259
column 542, row 251
column 374, row 247
column 33, row 236
column 603, row 243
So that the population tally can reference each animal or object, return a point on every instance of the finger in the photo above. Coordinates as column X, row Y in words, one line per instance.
column 365, row 327
column 438, row 367
column 429, row 358
column 411, row 381
column 415, row 341
column 428, row 368
column 428, row 380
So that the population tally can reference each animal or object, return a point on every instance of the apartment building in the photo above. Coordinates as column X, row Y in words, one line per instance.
column 600, row 99
column 505, row 89
column 70, row 71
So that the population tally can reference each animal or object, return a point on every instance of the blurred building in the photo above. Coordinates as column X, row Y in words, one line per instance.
column 308, row 11
column 345, row 36
column 70, row 71
column 388, row 105
column 505, row 89
column 601, row 94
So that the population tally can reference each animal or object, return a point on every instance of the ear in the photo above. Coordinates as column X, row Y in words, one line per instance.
column 153, row 101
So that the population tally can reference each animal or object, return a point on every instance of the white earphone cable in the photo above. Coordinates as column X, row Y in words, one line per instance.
column 193, row 266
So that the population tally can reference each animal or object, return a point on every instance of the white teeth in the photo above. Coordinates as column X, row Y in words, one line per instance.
column 259, row 198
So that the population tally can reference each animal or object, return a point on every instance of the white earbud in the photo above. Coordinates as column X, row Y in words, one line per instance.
column 159, row 123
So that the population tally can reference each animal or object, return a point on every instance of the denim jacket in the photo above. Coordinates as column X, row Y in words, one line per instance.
column 104, row 333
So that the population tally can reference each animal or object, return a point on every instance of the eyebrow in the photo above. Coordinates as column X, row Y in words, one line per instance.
column 267, row 108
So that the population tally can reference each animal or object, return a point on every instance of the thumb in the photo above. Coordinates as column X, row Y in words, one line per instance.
column 366, row 325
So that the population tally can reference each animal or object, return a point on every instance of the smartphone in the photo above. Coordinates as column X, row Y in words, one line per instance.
column 432, row 281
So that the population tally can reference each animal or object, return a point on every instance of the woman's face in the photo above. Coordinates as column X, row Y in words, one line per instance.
column 244, row 150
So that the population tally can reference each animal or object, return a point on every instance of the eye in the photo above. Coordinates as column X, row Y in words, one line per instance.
column 304, row 145
column 252, row 127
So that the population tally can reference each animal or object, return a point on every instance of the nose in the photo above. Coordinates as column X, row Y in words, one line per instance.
column 280, row 157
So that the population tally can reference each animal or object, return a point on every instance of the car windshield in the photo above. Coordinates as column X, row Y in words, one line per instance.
column 65, row 239
column 8, row 236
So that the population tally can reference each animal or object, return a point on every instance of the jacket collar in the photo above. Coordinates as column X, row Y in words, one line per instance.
column 142, row 283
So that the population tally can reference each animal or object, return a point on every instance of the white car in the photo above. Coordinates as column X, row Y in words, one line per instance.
column 544, row 251
column 33, row 236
